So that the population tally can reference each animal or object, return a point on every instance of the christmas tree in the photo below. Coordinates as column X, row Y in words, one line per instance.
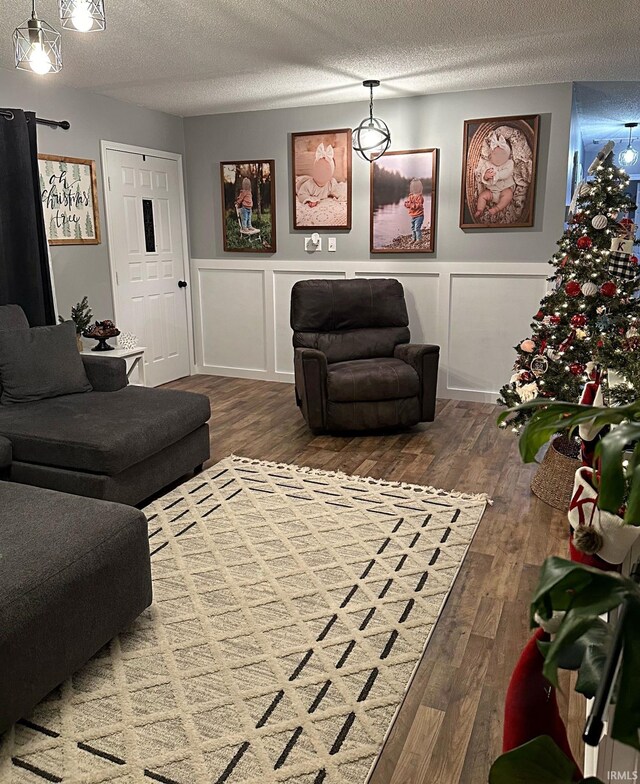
column 589, row 320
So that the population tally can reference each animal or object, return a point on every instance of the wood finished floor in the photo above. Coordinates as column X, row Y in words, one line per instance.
column 449, row 728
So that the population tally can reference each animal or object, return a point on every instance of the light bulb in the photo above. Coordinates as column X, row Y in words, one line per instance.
column 81, row 17
column 39, row 60
column 628, row 157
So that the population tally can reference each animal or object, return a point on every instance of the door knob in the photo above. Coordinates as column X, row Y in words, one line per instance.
column 182, row 284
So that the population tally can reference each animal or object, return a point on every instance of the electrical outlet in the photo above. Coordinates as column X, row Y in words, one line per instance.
column 313, row 243
column 331, row 244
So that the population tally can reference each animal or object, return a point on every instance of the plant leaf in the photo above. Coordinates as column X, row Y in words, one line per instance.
column 632, row 513
column 626, row 718
column 595, row 645
column 539, row 761
column 612, row 484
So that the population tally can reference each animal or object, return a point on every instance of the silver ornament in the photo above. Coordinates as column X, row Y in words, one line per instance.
column 539, row 365
column 589, row 289
column 599, row 221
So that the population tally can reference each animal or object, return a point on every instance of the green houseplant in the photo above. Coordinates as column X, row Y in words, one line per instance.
column 82, row 317
column 584, row 593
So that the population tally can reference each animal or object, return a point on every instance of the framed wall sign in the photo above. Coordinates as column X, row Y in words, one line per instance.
column 69, row 200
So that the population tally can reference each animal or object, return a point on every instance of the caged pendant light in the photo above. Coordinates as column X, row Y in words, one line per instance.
column 84, row 16
column 371, row 139
column 629, row 156
column 37, row 46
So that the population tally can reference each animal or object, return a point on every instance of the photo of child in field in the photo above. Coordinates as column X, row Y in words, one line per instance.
column 498, row 176
column 248, row 206
column 403, row 195
column 322, row 179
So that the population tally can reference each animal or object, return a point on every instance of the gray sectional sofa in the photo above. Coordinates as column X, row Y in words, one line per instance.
column 75, row 572
column 117, row 442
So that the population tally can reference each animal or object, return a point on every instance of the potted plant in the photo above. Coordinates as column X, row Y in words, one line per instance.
column 606, row 654
column 81, row 316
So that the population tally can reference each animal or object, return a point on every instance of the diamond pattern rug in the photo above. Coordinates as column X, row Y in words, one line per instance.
column 291, row 607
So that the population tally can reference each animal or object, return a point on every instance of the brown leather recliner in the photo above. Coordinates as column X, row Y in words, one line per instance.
column 354, row 366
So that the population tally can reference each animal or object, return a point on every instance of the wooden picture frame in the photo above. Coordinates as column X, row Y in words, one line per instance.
column 256, row 233
column 331, row 152
column 69, row 203
column 392, row 180
column 484, row 204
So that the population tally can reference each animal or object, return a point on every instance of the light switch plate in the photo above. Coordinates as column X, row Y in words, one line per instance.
column 331, row 244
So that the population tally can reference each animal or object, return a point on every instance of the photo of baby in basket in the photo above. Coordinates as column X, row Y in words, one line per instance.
column 322, row 179
column 498, row 172
column 248, row 206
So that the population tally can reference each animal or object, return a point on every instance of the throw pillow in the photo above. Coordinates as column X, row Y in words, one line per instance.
column 39, row 363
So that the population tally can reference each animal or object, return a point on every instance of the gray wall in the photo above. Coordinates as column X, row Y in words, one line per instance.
column 424, row 121
column 84, row 269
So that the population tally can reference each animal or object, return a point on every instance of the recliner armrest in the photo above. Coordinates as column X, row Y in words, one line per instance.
column 423, row 358
column 6, row 453
column 105, row 374
column 311, row 385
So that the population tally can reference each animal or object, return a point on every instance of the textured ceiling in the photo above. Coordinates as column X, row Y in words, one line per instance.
column 194, row 57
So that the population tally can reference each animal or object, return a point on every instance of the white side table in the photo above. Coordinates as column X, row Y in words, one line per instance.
column 134, row 358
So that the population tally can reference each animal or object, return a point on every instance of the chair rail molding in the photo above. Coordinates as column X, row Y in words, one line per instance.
column 476, row 312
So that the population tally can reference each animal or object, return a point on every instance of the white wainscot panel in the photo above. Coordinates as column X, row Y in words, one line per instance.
column 232, row 318
column 488, row 314
column 421, row 295
column 283, row 282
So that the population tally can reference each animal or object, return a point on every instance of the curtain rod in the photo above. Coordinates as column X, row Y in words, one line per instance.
column 64, row 124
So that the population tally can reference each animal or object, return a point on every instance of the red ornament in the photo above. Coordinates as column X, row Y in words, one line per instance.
column 609, row 289
column 578, row 320
column 584, row 243
column 554, row 319
column 576, row 369
column 600, row 343
column 539, row 316
column 578, row 217
column 633, row 259
column 573, row 288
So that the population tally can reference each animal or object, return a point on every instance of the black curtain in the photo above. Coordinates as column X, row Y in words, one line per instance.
column 25, row 277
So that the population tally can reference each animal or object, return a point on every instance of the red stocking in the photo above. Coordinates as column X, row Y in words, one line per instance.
column 531, row 708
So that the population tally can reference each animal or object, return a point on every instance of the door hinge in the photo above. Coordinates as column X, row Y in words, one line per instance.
column 109, row 182
column 117, row 279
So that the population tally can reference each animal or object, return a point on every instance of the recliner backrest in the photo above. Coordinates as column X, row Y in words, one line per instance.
column 12, row 317
column 349, row 319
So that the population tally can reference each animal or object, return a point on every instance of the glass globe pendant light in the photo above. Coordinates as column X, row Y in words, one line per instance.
column 629, row 156
column 37, row 46
column 371, row 139
column 83, row 16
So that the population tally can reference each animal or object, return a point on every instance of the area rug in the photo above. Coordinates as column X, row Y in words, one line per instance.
column 291, row 607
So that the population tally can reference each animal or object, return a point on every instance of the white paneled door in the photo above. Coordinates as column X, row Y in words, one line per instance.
column 145, row 222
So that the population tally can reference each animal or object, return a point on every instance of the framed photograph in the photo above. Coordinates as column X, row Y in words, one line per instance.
column 69, row 200
column 499, row 172
column 248, row 206
column 403, row 202
column 321, row 163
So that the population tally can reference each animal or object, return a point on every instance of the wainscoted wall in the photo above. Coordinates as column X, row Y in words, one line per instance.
column 241, row 316
column 474, row 296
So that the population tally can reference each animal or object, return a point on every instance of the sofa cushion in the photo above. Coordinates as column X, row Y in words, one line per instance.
column 12, row 317
column 384, row 378
column 39, row 363
column 101, row 432
column 75, row 573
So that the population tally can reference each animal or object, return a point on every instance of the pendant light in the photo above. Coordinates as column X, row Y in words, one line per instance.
column 371, row 139
column 629, row 156
column 37, row 46
column 84, row 16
